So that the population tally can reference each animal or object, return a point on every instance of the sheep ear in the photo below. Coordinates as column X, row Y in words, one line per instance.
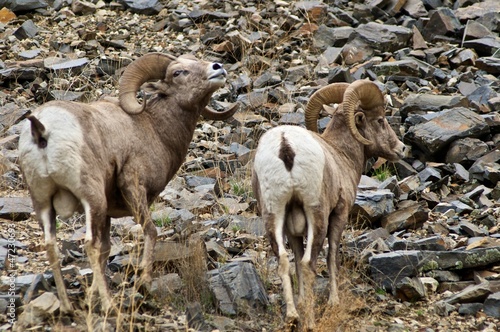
column 330, row 110
column 360, row 118
column 151, row 87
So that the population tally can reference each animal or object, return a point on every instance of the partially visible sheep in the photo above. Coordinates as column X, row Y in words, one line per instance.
column 112, row 159
column 306, row 183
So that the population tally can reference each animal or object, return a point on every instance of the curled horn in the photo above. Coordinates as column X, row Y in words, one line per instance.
column 332, row 93
column 369, row 97
column 214, row 115
column 151, row 66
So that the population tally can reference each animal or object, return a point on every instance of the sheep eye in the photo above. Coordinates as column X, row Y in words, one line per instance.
column 178, row 72
column 380, row 121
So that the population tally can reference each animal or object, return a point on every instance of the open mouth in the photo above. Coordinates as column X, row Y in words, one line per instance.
column 219, row 74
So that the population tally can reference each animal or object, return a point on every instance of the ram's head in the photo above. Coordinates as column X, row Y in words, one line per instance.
column 362, row 105
column 190, row 80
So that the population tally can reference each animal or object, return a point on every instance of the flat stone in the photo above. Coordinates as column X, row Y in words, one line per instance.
column 475, row 293
column 15, row 208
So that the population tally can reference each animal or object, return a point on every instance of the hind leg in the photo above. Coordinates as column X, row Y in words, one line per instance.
column 47, row 217
column 275, row 227
column 297, row 245
column 316, row 233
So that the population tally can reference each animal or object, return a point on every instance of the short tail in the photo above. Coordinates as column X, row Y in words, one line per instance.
column 38, row 131
column 286, row 153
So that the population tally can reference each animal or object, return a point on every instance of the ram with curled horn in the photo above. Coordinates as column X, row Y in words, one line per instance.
column 305, row 183
column 112, row 158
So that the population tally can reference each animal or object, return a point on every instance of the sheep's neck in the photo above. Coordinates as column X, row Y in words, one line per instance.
column 346, row 146
column 175, row 128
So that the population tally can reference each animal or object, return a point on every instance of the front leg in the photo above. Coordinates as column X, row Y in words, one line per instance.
column 136, row 197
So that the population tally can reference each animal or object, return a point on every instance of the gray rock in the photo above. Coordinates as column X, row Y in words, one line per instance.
column 443, row 276
column 489, row 64
column 27, row 30
column 146, row 7
column 470, row 308
column 443, row 308
column 195, row 181
column 254, row 99
column 492, row 305
column 237, row 288
column 484, row 168
column 435, row 243
column 383, row 37
column 38, row 284
column 364, row 240
column 23, row 5
column 475, row 293
column 195, row 318
column 296, row 73
column 326, row 37
column 429, row 174
column 83, row 7
column 404, row 68
column 466, row 150
column 387, row 269
column 424, row 103
column 410, row 289
column 442, row 22
column 411, row 216
column 65, row 65
column 38, row 310
column 371, row 205
column 15, row 208
column 169, row 283
column 435, row 135
column 479, row 98
column 292, row 119
column 242, row 84
column 484, row 46
column 473, row 230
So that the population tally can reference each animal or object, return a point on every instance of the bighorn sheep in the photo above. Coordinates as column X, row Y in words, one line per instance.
column 112, row 158
column 306, row 183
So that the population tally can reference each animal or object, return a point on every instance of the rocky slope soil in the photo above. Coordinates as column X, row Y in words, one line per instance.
column 422, row 249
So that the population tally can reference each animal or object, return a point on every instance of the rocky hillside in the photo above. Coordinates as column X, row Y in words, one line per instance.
column 422, row 249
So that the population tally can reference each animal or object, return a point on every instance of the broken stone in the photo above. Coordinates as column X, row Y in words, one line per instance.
column 492, row 305
column 237, row 288
column 38, row 310
column 411, row 216
column 27, row 30
column 433, row 136
column 410, row 289
column 476, row 293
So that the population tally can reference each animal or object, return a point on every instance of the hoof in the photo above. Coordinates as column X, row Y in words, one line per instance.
column 110, row 311
column 292, row 321
column 143, row 285
column 66, row 310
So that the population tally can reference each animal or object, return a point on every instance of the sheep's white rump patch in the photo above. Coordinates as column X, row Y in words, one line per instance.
column 60, row 162
column 278, row 185
column 62, row 156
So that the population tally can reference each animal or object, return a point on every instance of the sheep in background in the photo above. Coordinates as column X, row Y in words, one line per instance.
column 112, row 158
column 305, row 183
